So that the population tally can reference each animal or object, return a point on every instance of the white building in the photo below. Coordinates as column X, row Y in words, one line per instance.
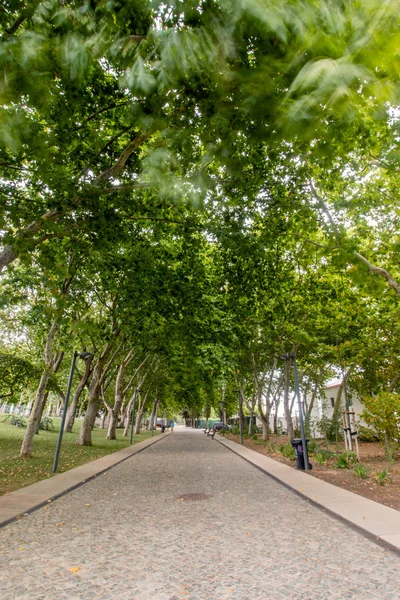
column 326, row 405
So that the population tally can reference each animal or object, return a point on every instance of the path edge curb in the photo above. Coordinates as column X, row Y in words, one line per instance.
column 135, row 450
column 372, row 537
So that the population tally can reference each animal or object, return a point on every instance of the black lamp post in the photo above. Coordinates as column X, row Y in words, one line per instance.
column 133, row 411
column 83, row 356
column 240, row 416
column 301, row 413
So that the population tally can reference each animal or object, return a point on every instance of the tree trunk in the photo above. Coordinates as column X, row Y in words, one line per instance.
column 70, row 420
column 128, row 416
column 41, row 411
column 139, row 414
column 338, row 403
column 113, row 418
column 119, row 398
column 286, row 401
column 27, row 443
column 85, row 433
column 52, row 363
column 153, row 413
column 104, row 418
column 99, row 373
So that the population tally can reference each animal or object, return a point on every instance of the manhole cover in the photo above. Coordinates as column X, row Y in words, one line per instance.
column 194, row 497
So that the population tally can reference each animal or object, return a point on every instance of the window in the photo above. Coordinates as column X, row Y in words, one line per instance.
column 332, row 402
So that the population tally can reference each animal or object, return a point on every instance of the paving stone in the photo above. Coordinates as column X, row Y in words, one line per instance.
column 187, row 519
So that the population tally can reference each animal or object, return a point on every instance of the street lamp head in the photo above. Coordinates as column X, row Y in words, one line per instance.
column 287, row 356
column 86, row 355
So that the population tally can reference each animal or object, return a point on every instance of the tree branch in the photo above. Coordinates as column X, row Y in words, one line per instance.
column 120, row 164
column 379, row 271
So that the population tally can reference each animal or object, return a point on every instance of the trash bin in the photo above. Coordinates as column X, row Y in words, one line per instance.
column 297, row 444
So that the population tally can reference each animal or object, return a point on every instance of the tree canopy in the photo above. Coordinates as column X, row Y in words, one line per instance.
column 189, row 190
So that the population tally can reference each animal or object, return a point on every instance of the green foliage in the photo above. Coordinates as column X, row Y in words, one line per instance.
column 287, row 451
column 360, row 471
column 17, row 421
column 320, row 458
column 330, row 428
column 312, row 447
column 381, row 477
column 209, row 179
column 366, row 434
column 382, row 413
column 345, row 460
column 46, row 424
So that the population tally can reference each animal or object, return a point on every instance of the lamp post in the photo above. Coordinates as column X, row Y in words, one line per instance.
column 133, row 411
column 240, row 416
column 83, row 356
column 301, row 413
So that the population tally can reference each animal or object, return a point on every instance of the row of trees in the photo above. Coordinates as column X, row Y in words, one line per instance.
column 190, row 190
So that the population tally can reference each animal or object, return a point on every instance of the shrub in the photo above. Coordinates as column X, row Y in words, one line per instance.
column 330, row 429
column 381, row 477
column 312, row 446
column 321, row 458
column 382, row 413
column 287, row 450
column 46, row 424
column 254, row 437
column 270, row 446
column 17, row 421
column 345, row 459
column 360, row 471
column 366, row 434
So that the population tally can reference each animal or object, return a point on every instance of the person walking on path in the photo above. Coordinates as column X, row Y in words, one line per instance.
column 172, row 425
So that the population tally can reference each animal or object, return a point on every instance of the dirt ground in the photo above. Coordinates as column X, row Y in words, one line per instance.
column 371, row 456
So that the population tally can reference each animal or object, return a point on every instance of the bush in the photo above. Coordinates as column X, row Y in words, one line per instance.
column 330, row 429
column 360, row 471
column 381, row 477
column 254, row 437
column 366, row 434
column 235, row 430
column 345, row 459
column 321, row 458
column 46, row 424
column 382, row 413
column 287, row 451
column 312, row 446
column 17, row 421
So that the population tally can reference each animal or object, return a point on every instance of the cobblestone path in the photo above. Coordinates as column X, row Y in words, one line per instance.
column 186, row 519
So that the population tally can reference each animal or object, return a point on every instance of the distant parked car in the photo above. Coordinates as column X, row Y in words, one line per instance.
column 220, row 425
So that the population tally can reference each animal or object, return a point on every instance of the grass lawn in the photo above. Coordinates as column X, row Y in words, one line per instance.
column 16, row 473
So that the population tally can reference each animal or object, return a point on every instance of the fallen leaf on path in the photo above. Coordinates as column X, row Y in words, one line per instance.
column 22, row 548
column 74, row 569
column 88, row 505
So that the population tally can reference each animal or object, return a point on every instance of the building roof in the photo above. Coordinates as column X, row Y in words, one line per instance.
column 333, row 384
